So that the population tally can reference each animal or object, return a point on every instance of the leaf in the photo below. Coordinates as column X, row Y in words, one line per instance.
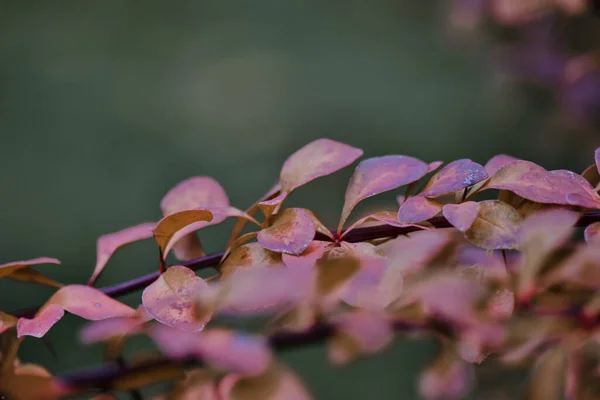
column 256, row 291
column 10, row 268
column 434, row 165
column 377, row 175
column 291, row 232
column 272, row 206
column 502, row 304
column 592, row 175
column 170, row 299
column 386, row 218
column 83, row 301
column 29, row 275
column 359, row 332
column 376, row 284
column 534, row 183
column 315, row 250
column 253, row 209
column 277, row 383
column 221, row 349
column 316, row 159
column 462, row 216
column 540, row 234
column 496, row 226
column 498, row 162
column 111, row 328
column 248, row 255
column 447, row 378
column 108, row 244
column 200, row 192
column 591, row 232
column 7, row 321
column 418, row 208
column 455, row 176
column 409, row 253
column 335, row 270
column 175, row 226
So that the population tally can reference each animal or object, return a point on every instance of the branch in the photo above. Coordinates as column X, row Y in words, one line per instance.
column 104, row 376
column 354, row 236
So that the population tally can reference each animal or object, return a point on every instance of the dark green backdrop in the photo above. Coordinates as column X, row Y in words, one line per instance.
column 106, row 105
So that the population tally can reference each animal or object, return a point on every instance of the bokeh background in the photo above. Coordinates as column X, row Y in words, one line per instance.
column 104, row 106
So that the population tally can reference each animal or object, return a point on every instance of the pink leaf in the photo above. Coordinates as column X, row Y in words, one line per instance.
column 461, row 216
column 534, row 183
column 106, row 329
column 9, row 268
column 291, row 232
column 83, row 301
column 453, row 177
column 170, row 299
column 222, row 349
column 410, row 253
column 318, row 158
column 597, row 159
column 497, row 162
column 377, row 175
column 417, row 209
column 248, row 255
column 108, row 244
column 434, row 165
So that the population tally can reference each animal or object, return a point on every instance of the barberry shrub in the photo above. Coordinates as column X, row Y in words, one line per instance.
column 485, row 259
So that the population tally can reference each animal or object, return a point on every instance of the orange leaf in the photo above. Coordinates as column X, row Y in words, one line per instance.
column 7, row 321
column 591, row 232
column 175, row 226
column 453, row 177
column 534, row 183
column 10, row 268
column 170, row 299
column 29, row 275
column 496, row 226
column 291, row 232
column 83, row 301
column 377, row 175
column 316, row 159
column 253, row 209
column 463, row 215
column 417, row 209
column 108, row 244
column 248, row 255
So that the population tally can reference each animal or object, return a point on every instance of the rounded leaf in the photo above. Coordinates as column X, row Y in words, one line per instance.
column 380, row 174
column 170, row 299
column 290, row 233
column 316, row 159
column 175, row 226
column 463, row 215
column 496, row 226
column 248, row 255
column 453, row 177
column 418, row 208
column 591, row 232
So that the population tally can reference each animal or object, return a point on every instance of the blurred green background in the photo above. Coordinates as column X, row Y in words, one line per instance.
column 104, row 106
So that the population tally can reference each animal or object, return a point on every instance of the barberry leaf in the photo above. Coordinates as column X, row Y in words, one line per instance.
column 175, row 226
column 221, row 349
column 386, row 218
column 108, row 244
column 6, row 270
column 83, row 301
column 309, row 256
column 170, row 299
column 496, row 226
column 463, row 215
column 291, row 232
column 453, row 177
column 7, row 321
column 418, row 208
column 591, row 232
column 110, row 328
column 316, row 159
column 377, row 175
column 248, row 255
column 534, row 183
